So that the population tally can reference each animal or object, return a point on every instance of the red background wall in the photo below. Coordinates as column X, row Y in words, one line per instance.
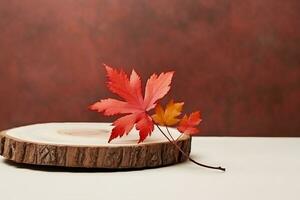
column 238, row 61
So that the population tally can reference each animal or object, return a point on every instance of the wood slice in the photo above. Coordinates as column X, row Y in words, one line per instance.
column 85, row 145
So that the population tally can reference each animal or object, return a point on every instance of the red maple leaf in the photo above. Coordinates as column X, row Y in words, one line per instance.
column 134, row 104
column 188, row 124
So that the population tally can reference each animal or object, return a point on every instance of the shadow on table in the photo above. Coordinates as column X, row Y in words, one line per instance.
column 73, row 169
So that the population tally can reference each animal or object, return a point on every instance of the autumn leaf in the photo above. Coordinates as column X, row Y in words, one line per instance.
column 133, row 103
column 187, row 124
column 167, row 117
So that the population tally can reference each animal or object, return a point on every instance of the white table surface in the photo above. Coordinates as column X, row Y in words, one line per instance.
column 257, row 168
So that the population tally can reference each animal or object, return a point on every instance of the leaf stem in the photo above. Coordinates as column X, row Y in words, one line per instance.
column 179, row 136
column 192, row 160
column 169, row 133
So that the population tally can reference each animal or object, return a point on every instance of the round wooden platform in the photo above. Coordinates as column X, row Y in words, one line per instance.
column 85, row 145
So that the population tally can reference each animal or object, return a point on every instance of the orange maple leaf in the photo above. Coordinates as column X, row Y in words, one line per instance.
column 134, row 105
column 169, row 115
column 187, row 124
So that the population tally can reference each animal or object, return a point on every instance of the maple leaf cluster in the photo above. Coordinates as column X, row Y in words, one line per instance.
column 169, row 117
column 136, row 106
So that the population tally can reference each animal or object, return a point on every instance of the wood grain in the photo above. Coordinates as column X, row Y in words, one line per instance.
column 111, row 157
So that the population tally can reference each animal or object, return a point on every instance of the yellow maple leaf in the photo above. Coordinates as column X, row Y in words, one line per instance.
column 169, row 115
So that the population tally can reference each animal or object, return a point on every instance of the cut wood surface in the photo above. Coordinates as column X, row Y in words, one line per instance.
column 85, row 145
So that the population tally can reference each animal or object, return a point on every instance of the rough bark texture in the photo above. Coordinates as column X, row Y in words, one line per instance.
column 114, row 157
